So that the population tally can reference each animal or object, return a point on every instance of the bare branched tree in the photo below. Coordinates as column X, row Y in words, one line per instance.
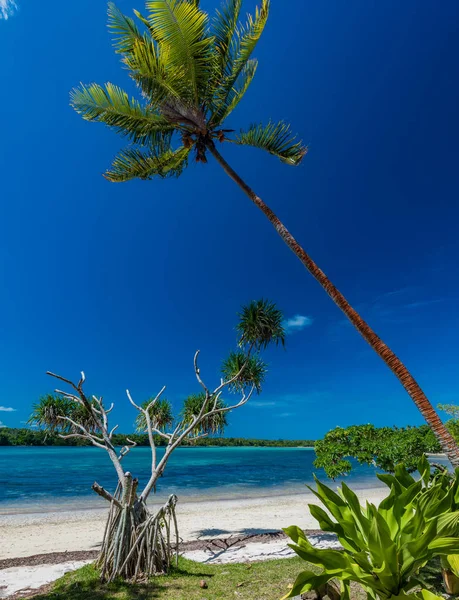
column 137, row 543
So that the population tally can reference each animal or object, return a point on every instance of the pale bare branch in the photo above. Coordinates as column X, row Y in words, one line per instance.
column 197, row 372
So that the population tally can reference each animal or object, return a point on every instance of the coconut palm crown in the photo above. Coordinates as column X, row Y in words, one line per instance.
column 191, row 72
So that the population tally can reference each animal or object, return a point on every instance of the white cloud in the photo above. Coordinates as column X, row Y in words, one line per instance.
column 262, row 403
column 287, row 414
column 6, row 408
column 297, row 323
column 7, row 8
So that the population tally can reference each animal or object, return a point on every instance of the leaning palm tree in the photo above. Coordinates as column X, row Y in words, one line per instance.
column 192, row 72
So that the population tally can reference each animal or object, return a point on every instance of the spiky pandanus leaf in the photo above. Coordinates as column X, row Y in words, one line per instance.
column 250, row 371
column 48, row 412
column 131, row 163
column 260, row 323
column 160, row 414
column 111, row 105
column 212, row 424
column 275, row 138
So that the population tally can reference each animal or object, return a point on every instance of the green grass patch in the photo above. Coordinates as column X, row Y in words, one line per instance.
column 267, row 580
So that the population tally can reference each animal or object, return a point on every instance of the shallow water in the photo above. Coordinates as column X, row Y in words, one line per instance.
column 40, row 479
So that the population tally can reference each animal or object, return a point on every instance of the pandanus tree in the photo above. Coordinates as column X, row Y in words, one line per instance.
column 138, row 543
column 192, row 72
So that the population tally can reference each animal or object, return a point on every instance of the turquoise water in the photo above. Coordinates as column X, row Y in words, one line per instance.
column 53, row 478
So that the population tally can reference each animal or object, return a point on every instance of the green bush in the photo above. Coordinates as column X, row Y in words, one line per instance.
column 383, row 447
column 384, row 547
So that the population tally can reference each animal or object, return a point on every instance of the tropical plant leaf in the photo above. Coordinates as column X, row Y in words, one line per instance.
column 180, row 27
column 160, row 414
column 224, row 109
column 224, row 28
column 124, row 29
column 111, row 105
column 131, row 163
column 251, row 369
column 453, row 563
column 275, row 138
column 212, row 424
column 306, row 581
column 151, row 69
column 260, row 323
column 243, row 44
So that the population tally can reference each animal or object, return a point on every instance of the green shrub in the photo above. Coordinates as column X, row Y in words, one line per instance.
column 384, row 547
column 383, row 447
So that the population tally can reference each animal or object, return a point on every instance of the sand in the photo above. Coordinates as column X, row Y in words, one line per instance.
column 27, row 579
column 40, row 533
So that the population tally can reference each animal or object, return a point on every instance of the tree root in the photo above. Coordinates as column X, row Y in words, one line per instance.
column 137, row 544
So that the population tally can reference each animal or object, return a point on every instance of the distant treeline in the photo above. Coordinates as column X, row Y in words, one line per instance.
column 31, row 437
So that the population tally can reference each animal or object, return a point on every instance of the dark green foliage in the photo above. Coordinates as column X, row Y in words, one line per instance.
column 10, row 436
column 453, row 424
column 453, row 427
column 260, row 324
column 250, row 442
column 160, row 414
column 383, row 447
column 250, row 371
column 211, row 425
column 48, row 412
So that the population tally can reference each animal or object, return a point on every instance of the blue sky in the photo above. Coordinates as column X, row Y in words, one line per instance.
column 126, row 281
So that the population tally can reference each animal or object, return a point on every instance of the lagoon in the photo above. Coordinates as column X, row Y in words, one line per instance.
column 41, row 479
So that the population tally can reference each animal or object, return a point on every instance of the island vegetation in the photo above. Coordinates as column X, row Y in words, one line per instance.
column 11, row 436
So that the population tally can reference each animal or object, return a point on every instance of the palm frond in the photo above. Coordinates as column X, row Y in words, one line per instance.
column 180, row 26
column 275, row 138
column 236, row 93
column 132, row 163
column 247, row 37
column 243, row 44
column 112, row 106
column 224, row 27
column 151, row 70
column 124, row 29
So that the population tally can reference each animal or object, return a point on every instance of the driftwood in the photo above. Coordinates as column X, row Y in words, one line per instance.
column 136, row 543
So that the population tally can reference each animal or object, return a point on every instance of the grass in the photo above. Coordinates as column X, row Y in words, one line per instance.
column 267, row 580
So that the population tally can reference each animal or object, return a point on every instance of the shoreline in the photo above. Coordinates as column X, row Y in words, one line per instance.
column 96, row 504
column 25, row 535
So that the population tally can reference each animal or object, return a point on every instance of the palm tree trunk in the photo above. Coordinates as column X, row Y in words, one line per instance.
column 445, row 439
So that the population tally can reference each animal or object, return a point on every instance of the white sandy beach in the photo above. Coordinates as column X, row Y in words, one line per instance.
column 29, row 534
